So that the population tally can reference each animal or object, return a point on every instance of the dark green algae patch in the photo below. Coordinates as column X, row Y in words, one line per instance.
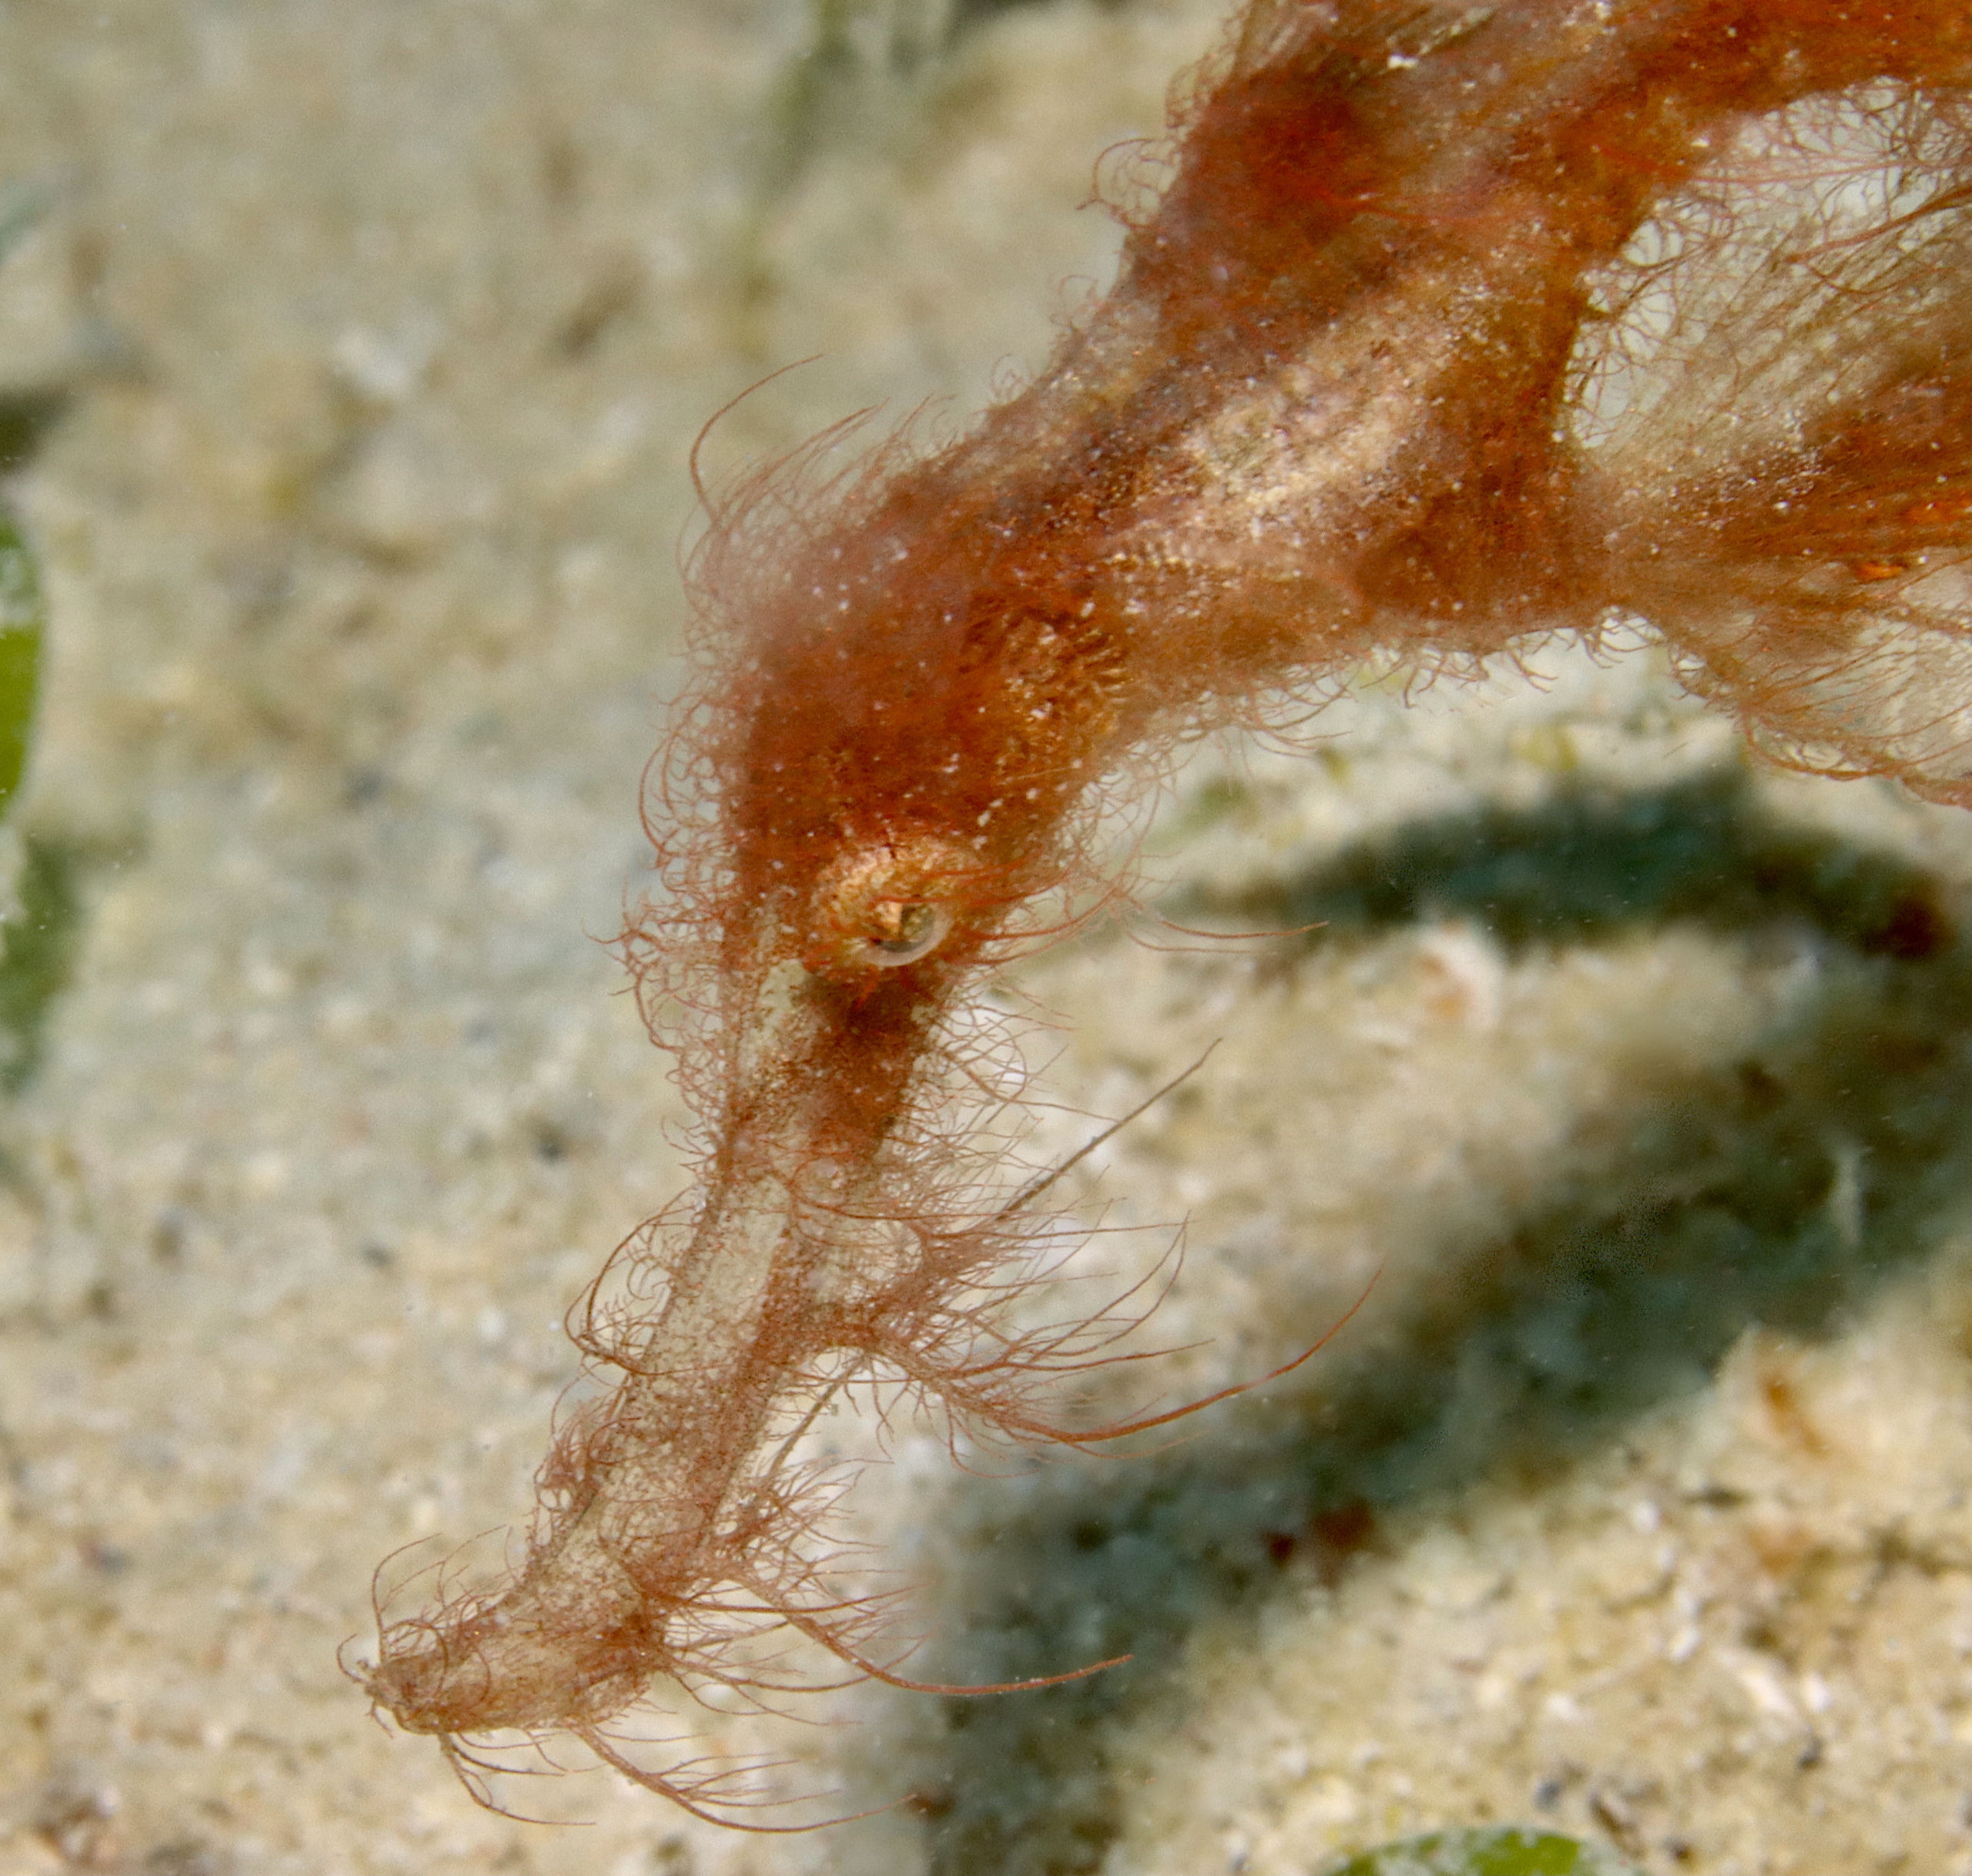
column 1506, row 1851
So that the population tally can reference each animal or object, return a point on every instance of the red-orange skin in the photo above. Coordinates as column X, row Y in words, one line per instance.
column 1326, row 415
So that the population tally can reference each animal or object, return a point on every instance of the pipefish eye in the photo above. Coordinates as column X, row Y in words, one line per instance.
column 902, row 931
column 880, row 907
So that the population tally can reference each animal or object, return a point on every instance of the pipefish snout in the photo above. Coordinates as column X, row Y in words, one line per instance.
column 1452, row 326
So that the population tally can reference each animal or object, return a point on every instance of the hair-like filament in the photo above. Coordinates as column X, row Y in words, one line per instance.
column 1451, row 326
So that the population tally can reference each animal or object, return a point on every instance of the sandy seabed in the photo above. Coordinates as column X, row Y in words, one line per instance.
column 1634, row 1502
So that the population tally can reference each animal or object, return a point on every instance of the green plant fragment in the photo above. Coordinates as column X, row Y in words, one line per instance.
column 1501, row 1850
column 22, row 620
column 42, row 942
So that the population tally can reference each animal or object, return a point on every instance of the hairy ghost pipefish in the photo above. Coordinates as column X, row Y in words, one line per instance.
column 1389, row 371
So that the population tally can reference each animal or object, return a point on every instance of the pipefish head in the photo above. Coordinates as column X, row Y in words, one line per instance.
column 890, row 809
column 904, row 818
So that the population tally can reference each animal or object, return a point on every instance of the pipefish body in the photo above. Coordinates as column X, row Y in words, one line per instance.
column 1359, row 393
